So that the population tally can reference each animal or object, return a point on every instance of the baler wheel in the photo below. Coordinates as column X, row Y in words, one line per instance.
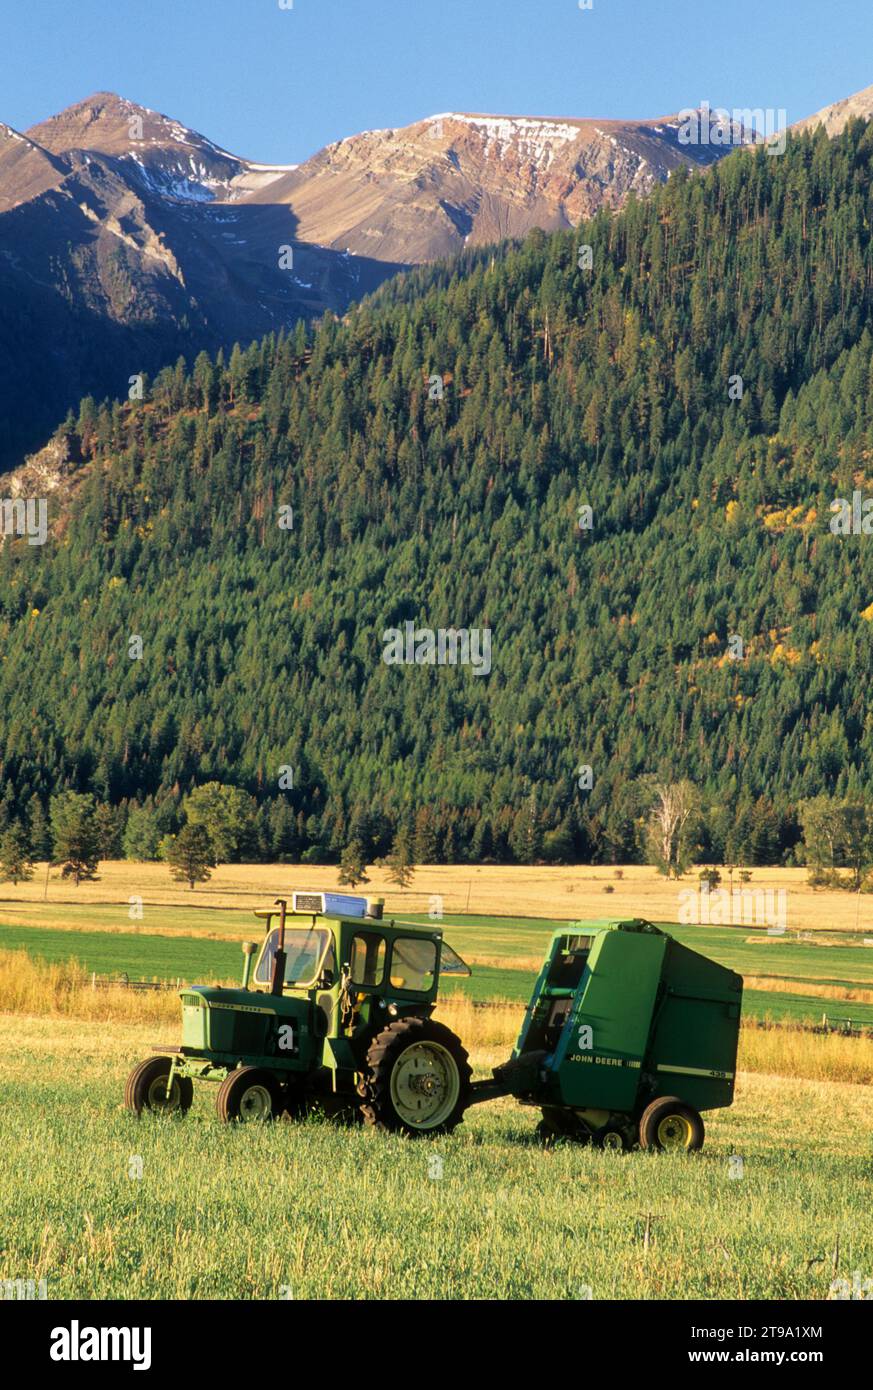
column 610, row 1137
column 146, row 1089
column 669, row 1124
column 418, row 1079
column 248, row 1094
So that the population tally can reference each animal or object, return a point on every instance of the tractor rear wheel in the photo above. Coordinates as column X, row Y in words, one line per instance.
column 248, row 1094
column 669, row 1124
column 418, row 1078
column 146, row 1089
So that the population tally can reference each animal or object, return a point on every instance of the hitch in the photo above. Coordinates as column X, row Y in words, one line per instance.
column 512, row 1078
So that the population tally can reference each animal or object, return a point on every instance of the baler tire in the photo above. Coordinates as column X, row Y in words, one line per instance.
column 658, row 1113
column 137, row 1091
column 232, row 1091
column 604, row 1139
column 383, row 1058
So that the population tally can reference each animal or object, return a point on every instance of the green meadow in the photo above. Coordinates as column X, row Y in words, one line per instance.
column 112, row 946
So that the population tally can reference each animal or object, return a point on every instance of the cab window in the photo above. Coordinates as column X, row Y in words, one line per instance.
column 413, row 963
column 367, row 964
column 304, row 949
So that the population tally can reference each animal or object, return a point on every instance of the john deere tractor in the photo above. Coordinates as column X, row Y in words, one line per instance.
column 336, row 1014
column 628, row 1035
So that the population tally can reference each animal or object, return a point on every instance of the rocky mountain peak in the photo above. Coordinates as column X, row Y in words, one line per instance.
column 836, row 117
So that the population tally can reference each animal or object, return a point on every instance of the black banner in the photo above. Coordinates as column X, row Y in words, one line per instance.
column 83, row 1339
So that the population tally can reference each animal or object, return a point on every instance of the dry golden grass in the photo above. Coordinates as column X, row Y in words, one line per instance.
column 492, row 1025
column 786, row 1051
column 501, row 890
column 531, row 965
column 31, row 989
column 849, row 994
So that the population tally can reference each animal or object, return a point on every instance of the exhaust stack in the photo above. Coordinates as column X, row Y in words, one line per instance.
column 279, row 959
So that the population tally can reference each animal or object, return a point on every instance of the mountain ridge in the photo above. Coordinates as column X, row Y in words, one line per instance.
column 128, row 239
column 834, row 118
column 117, row 259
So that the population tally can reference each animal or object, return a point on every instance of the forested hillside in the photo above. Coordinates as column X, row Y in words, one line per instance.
column 612, row 388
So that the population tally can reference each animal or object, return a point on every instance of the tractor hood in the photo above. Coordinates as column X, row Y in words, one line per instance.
column 222, row 1021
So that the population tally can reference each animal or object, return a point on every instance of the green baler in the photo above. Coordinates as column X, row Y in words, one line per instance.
column 627, row 1037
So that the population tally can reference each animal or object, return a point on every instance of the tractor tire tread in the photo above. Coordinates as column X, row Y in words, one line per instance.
column 225, row 1104
column 136, row 1085
column 377, row 1110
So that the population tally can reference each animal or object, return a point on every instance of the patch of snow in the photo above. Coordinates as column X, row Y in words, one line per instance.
column 273, row 168
column 191, row 185
column 182, row 134
column 534, row 137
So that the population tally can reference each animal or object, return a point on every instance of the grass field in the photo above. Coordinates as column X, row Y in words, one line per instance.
column 487, row 890
column 312, row 1210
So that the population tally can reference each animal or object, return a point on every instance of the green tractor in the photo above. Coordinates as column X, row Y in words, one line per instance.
column 628, row 1035
column 337, row 1015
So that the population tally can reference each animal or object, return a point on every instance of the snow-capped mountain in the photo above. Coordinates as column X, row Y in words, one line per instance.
column 127, row 239
column 424, row 191
column 171, row 158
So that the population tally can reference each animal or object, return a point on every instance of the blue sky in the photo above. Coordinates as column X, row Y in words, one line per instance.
column 275, row 84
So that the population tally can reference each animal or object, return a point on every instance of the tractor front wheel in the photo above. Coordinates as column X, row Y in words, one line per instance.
column 669, row 1124
column 418, row 1078
column 146, row 1089
column 248, row 1094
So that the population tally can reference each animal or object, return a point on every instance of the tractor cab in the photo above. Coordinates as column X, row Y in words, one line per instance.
column 355, row 970
column 339, row 943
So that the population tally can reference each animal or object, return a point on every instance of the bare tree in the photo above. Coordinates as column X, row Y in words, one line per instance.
column 672, row 826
